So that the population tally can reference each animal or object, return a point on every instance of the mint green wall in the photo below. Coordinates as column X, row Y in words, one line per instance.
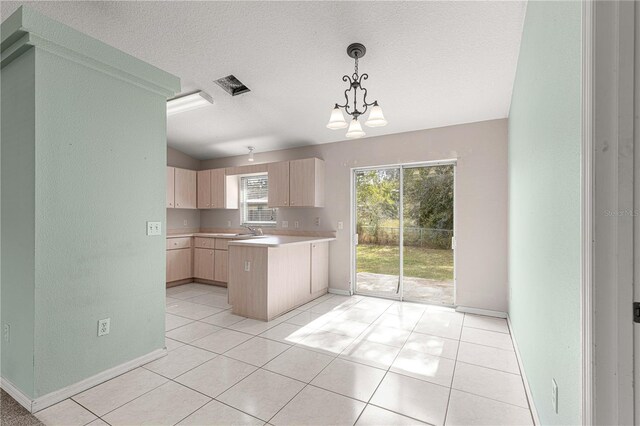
column 94, row 168
column 17, row 147
column 100, row 160
column 544, row 206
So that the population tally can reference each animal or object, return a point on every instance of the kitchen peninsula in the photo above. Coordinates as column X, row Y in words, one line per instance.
column 273, row 275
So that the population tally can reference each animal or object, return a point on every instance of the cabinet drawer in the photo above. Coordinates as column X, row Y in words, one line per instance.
column 178, row 243
column 222, row 244
column 202, row 242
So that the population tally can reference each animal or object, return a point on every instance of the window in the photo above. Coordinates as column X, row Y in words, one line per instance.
column 254, row 192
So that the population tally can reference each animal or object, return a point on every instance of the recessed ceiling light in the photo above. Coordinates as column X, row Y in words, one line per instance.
column 232, row 85
column 188, row 102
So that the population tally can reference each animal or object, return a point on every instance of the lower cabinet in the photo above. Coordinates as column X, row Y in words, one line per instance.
column 319, row 267
column 221, row 268
column 178, row 264
column 204, row 263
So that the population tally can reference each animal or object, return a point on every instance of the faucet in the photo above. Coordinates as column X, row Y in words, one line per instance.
column 254, row 231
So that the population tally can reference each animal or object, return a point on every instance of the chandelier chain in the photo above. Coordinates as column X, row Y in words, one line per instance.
column 356, row 64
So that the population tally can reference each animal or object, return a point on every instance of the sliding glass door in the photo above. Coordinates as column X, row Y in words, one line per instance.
column 377, row 245
column 404, row 241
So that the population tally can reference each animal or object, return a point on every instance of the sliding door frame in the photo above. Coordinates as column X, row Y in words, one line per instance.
column 353, row 225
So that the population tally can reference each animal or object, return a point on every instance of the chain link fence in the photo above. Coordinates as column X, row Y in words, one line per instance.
column 413, row 236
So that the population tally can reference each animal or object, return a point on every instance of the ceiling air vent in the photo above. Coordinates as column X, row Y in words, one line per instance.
column 232, row 85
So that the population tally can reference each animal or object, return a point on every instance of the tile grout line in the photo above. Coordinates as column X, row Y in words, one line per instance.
column 360, row 337
column 453, row 374
column 387, row 371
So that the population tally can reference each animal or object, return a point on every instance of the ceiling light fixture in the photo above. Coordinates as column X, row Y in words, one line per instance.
column 188, row 102
column 376, row 118
column 251, row 153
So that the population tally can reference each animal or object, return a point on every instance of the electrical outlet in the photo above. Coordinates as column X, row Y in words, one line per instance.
column 340, row 225
column 247, row 266
column 317, row 221
column 104, row 326
column 6, row 333
column 186, row 222
column 228, row 224
column 554, row 395
column 154, row 228
column 296, row 224
column 285, row 223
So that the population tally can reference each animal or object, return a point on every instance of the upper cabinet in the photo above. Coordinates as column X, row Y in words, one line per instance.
column 297, row 183
column 216, row 190
column 181, row 188
column 278, row 184
column 171, row 187
column 306, row 183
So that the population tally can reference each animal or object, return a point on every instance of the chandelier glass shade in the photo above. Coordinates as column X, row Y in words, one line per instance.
column 359, row 100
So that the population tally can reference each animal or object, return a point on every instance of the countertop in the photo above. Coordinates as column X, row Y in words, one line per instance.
column 213, row 235
column 279, row 240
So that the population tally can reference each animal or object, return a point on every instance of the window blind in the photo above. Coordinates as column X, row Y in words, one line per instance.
column 254, row 196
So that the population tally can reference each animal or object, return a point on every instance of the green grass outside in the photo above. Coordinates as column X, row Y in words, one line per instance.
column 419, row 262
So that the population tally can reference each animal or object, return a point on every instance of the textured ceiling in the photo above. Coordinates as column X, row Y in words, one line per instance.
column 430, row 64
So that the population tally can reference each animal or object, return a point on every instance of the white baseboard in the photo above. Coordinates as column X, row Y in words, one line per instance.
column 477, row 311
column 15, row 393
column 34, row 405
column 527, row 389
column 340, row 292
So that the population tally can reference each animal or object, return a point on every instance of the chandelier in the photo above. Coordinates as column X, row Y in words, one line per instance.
column 376, row 118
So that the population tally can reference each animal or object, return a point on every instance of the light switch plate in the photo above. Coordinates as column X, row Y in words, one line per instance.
column 104, row 326
column 154, row 228
column 340, row 225
column 285, row 223
column 296, row 224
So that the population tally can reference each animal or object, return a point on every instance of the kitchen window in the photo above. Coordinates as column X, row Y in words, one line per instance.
column 254, row 193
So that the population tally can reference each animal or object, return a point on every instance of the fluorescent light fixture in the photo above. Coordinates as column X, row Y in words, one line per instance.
column 251, row 153
column 188, row 102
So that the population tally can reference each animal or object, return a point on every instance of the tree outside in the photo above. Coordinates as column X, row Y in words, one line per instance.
column 428, row 221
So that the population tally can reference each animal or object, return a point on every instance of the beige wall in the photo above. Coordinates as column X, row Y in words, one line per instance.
column 481, row 199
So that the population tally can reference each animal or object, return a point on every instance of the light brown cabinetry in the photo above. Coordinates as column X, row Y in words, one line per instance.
column 179, row 262
column 319, row 267
column 181, row 188
column 171, row 187
column 221, row 265
column 278, row 184
column 265, row 282
column 203, row 263
column 306, row 183
column 216, row 190
column 210, row 257
column 297, row 183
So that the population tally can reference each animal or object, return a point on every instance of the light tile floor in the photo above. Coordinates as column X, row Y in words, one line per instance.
column 337, row 360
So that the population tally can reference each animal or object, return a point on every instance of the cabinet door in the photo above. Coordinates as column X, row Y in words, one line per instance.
column 203, row 263
column 217, row 188
column 319, row 266
column 278, row 184
column 204, row 189
column 185, row 181
column 171, row 187
column 178, row 264
column 302, row 182
column 221, row 270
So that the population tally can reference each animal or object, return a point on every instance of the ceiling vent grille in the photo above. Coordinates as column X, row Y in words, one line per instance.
column 232, row 85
